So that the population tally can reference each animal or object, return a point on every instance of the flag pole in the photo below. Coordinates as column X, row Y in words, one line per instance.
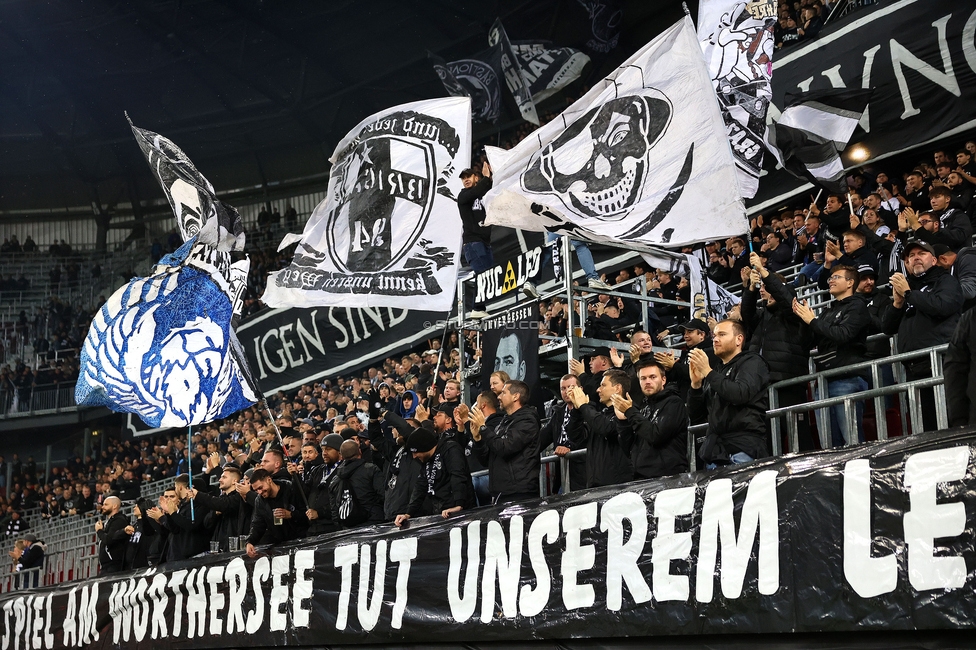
column 705, row 280
column 189, row 464
column 281, row 441
column 850, row 203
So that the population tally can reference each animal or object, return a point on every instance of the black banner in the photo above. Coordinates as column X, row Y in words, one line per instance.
column 876, row 537
column 290, row 347
column 510, row 343
column 917, row 56
column 510, row 275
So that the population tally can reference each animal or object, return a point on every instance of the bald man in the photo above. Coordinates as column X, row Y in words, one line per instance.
column 112, row 537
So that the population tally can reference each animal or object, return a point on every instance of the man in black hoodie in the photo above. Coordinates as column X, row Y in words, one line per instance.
column 112, row 537
column 734, row 395
column 841, row 332
column 511, row 448
column 925, row 307
column 445, row 485
column 595, row 427
column 476, row 236
column 356, row 489
column 184, row 520
column 227, row 511
column 657, row 432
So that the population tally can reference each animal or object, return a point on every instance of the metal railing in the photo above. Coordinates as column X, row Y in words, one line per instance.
column 39, row 400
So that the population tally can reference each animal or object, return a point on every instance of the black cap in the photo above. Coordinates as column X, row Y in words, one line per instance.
column 941, row 249
column 917, row 243
column 30, row 537
column 603, row 351
column 421, row 440
column 866, row 269
column 348, row 433
column 446, row 408
column 695, row 324
column 333, row 441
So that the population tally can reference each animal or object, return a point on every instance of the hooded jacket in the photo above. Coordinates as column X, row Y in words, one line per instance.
column 929, row 314
column 735, row 396
column 365, row 482
column 511, row 451
column 607, row 456
column 775, row 333
column 657, row 434
column 404, row 413
column 316, row 486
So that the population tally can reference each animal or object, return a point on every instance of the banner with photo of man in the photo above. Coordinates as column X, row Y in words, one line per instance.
column 642, row 159
column 388, row 233
column 510, row 343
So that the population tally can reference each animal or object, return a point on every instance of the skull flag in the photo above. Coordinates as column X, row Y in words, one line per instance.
column 642, row 159
column 162, row 346
column 388, row 232
column 199, row 213
column 737, row 38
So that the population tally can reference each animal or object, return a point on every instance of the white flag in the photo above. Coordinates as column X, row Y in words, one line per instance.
column 737, row 38
column 708, row 299
column 388, row 233
column 642, row 159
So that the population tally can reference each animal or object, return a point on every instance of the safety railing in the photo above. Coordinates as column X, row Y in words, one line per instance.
column 37, row 400
column 23, row 579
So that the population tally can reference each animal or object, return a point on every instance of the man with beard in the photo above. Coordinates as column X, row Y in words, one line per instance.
column 316, row 474
column 185, row 523
column 279, row 515
column 273, row 462
column 595, row 427
column 926, row 305
column 962, row 265
column 695, row 334
column 734, row 395
column 954, row 229
column 657, row 432
column 112, row 537
column 556, row 432
column 641, row 347
column 227, row 510
column 444, row 483
column 780, row 337
column 510, row 449
column 962, row 193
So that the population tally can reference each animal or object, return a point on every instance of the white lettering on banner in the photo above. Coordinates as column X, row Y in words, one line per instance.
column 670, row 545
column 622, row 557
column 946, row 79
column 925, row 521
column 402, row 552
column 497, row 281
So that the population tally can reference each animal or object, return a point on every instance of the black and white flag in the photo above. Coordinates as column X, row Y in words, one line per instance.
column 477, row 77
column 813, row 131
column 514, row 77
column 708, row 298
column 606, row 16
column 547, row 70
column 737, row 39
column 199, row 213
column 642, row 159
column 388, row 231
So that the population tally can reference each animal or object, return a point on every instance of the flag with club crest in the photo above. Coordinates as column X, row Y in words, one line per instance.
column 477, row 76
column 388, row 233
column 642, row 159
column 163, row 347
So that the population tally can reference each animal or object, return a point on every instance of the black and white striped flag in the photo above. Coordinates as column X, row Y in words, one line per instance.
column 813, row 131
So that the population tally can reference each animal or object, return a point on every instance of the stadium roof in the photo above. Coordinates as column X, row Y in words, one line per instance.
column 255, row 92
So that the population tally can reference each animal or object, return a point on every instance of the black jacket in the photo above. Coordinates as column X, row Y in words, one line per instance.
column 657, row 435
column 607, row 457
column 404, row 477
column 878, row 304
column 365, row 481
column 736, row 398
column 444, row 482
column 960, row 372
column 964, row 270
column 263, row 529
column 775, row 333
column 140, row 545
column 112, row 540
column 188, row 535
column 226, row 516
column 841, row 332
column 929, row 314
column 316, row 485
column 472, row 212
column 511, row 451
column 955, row 230
column 679, row 375
column 556, row 432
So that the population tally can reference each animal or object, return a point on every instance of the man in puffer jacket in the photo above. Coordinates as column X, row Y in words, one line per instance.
column 657, row 432
column 780, row 337
column 594, row 426
column 510, row 449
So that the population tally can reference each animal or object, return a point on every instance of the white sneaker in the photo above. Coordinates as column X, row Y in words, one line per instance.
column 597, row 283
column 530, row 290
column 478, row 314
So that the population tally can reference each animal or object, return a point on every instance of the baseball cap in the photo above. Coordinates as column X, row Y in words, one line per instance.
column 421, row 440
column 602, row 351
column 917, row 244
column 941, row 249
column 30, row 537
column 446, row 409
column 695, row 324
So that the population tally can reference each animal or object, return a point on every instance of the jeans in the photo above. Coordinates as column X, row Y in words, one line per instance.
column 839, row 434
column 811, row 271
column 583, row 254
column 481, row 490
column 478, row 256
column 735, row 459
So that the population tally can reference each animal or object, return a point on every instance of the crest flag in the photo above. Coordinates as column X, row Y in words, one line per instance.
column 642, row 159
column 388, row 232
column 163, row 347
column 478, row 77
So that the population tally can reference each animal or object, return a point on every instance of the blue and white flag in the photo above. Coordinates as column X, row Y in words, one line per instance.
column 161, row 347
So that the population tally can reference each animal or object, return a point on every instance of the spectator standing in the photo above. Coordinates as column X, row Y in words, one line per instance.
column 279, row 515
column 734, row 395
column 510, row 449
column 476, row 236
column 962, row 265
column 960, row 372
column 556, row 432
column 356, row 490
column 185, row 522
column 226, row 511
column 840, row 332
column 112, row 538
column 695, row 335
column 445, row 484
column 595, row 427
column 31, row 558
column 142, row 537
column 926, row 305
column 315, row 479
column 657, row 432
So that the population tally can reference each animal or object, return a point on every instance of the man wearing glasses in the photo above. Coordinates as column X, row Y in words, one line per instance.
column 840, row 332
